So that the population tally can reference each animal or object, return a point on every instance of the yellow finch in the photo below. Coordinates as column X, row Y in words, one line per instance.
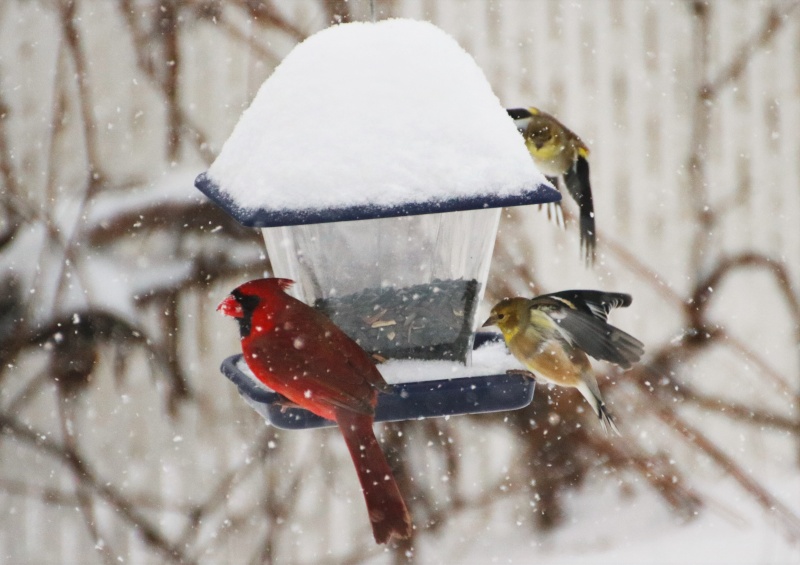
column 560, row 153
column 553, row 335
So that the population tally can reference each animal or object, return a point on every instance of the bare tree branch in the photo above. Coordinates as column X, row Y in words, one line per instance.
column 178, row 116
column 265, row 14
column 169, row 28
column 90, row 480
column 776, row 18
column 771, row 505
column 85, row 502
column 74, row 41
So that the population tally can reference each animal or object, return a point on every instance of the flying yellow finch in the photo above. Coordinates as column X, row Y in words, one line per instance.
column 560, row 153
column 553, row 335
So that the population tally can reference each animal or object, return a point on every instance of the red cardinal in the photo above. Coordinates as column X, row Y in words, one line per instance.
column 299, row 353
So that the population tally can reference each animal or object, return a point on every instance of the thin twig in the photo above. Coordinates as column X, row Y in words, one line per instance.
column 728, row 265
column 74, row 41
column 182, row 119
column 776, row 18
column 169, row 26
column 151, row 535
column 221, row 492
column 250, row 42
column 85, row 503
column 634, row 264
column 789, row 521
column 747, row 353
column 741, row 412
column 663, row 479
column 265, row 14
column 698, row 145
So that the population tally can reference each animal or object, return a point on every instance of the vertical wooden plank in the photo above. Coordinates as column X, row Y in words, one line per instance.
column 789, row 160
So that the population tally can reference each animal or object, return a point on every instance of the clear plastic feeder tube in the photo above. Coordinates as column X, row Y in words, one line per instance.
column 403, row 287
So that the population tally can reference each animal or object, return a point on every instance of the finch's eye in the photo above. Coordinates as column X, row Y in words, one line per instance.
column 501, row 316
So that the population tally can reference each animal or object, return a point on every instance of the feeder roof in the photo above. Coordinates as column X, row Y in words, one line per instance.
column 369, row 120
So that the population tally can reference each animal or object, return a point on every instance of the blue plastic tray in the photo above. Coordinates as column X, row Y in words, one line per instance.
column 408, row 401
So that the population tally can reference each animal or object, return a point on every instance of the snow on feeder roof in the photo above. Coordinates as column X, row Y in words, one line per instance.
column 394, row 125
column 367, row 120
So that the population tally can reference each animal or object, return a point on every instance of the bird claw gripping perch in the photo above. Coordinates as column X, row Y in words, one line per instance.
column 521, row 373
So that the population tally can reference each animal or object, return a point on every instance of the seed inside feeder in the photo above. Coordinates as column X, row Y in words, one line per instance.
column 424, row 321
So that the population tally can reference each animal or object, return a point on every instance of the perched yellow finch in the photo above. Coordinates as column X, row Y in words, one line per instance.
column 560, row 153
column 553, row 335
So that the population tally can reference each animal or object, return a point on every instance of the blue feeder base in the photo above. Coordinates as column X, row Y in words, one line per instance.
column 408, row 401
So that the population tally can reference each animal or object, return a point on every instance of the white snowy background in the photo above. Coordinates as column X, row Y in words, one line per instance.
column 121, row 442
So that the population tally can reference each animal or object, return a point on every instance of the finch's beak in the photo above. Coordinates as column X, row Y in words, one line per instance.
column 231, row 307
column 490, row 321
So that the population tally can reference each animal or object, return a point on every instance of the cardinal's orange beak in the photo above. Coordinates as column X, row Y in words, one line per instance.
column 231, row 307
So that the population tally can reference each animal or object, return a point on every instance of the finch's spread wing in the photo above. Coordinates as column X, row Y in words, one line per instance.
column 594, row 302
column 600, row 339
column 582, row 317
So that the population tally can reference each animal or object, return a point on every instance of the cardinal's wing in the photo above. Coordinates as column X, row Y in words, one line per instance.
column 321, row 361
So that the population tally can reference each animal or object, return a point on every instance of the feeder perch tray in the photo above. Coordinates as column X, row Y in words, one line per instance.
column 408, row 401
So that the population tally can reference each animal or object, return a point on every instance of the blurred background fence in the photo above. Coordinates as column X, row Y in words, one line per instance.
column 121, row 441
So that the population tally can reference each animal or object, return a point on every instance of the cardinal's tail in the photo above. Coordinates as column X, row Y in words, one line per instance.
column 385, row 505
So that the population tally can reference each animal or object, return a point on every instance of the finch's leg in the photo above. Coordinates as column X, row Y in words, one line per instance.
column 521, row 373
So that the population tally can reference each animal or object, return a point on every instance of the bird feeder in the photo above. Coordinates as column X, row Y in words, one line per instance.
column 376, row 159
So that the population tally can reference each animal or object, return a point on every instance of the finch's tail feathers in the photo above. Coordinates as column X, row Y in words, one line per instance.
column 607, row 422
column 577, row 181
column 385, row 505
column 591, row 392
